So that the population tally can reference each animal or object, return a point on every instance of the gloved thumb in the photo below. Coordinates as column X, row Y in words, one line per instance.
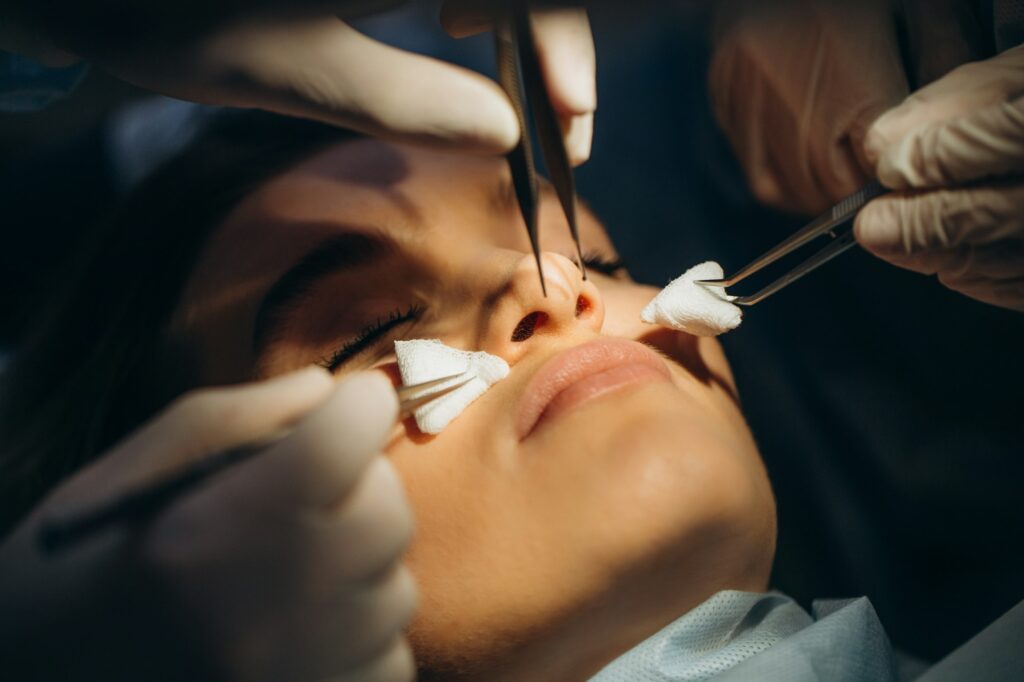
column 321, row 460
column 964, row 126
column 364, row 407
column 986, row 143
column 566, row 52
column 941, row 230
column 200, row 424
column 326, row 70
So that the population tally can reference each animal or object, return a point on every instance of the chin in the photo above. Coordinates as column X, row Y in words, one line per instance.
column 645, row 504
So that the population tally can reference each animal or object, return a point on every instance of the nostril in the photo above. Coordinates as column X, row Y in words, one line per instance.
column 582, row 305
column 528, row 325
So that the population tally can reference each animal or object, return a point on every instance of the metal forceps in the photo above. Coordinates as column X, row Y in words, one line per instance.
column 519, row 72
column 832, row 222
column 139, row 504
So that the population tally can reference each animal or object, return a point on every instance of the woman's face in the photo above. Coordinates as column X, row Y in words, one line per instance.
column 605, row 487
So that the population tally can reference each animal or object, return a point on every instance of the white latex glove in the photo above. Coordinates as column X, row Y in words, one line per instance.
column 296, row 57
column 284, row 567
column 567, row 58
column 795, row 84
column 956, row 150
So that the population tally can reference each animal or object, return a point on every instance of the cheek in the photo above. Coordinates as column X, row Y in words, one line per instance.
column 623, row 303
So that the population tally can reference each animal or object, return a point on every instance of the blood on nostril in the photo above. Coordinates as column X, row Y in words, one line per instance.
column 528, row 325
column 582, row 305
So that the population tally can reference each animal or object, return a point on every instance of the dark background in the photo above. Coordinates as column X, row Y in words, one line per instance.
column 887, row 408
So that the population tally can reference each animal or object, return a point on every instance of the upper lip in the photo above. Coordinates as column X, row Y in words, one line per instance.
column 574, row 364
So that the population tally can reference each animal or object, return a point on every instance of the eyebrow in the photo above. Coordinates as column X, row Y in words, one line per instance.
column 337, row 254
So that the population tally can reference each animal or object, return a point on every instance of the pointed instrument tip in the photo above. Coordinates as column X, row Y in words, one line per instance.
column 540, row 272
column 579, row 256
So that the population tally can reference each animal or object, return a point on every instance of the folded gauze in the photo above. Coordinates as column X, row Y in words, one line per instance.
column 694, row 308
column 422, row 360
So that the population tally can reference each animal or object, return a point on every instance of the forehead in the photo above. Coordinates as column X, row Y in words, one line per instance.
column 411, row 194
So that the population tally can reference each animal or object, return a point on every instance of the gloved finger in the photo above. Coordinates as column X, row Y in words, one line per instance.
column 216, row 419
column 899, row 225
column 564, row 42
column 339, row 633
column 962, row 92
column 578, row 133
column 929, row 262
column 565, row 47
column 374, row 616
column 375, row 517
column 205, row 422
column 984, row 144
column 326, row 70
column 394, row 663
column 1000, row 260
column 318, row 464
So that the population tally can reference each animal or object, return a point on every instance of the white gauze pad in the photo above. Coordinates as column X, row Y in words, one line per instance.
column 422, row 360
column 694, row 308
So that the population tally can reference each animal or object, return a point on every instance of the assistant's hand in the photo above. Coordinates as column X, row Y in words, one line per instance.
column 285, row 567
column 955, row 149
column 296, row 57
column 795, row 84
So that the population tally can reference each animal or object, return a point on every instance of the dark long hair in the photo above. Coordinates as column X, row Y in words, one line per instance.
column 99, row 361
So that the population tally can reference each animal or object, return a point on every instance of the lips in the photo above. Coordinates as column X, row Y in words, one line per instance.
column 584, row 373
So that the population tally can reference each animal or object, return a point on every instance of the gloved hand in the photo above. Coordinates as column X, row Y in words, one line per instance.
column 567, row 58
column 296, row 57
column 284, row 567
column 795, row 84
column 956, row 150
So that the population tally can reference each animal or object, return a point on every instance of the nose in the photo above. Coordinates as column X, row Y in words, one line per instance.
column 523, row 316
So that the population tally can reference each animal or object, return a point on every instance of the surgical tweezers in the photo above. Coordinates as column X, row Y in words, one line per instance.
column 141, row 503
column 831, row 223
column 519, row 73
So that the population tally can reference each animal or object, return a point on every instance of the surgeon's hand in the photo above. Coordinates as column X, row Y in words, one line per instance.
column 299, row 57
column 955, row 149
column 566, row 48
column 795, row 84
column 285, row 567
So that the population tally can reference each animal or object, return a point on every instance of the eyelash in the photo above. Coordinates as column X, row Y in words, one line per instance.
column 369, row 335
column 603, row 264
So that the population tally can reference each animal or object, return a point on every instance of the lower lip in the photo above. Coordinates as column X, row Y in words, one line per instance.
column 598, row 385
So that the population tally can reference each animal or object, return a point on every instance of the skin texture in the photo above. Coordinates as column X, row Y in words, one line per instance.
column 541, row 558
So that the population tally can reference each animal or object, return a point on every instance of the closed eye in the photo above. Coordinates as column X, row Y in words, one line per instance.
column 606, row 265
column 370, row 336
